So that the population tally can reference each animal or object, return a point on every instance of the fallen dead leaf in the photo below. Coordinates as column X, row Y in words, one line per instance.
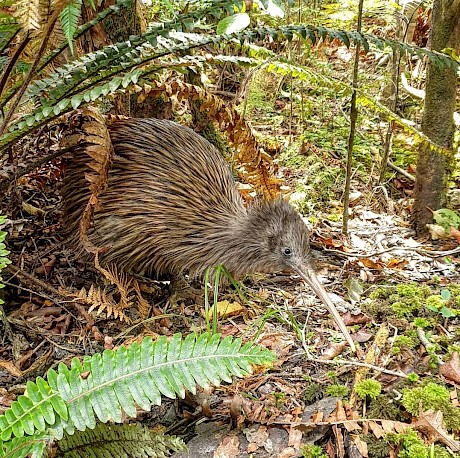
column 224, row 309
column 451, row 369
column 288, row 452
column 362, row 336
column 376, row 429
column 10, row 367
column 335, row 349
column 361, row 446
column 295, row 438
column 350, row 319
column 257, row 438
column 31, row 210
column 431, row 424
column 370, row 264
column 437, row 232
column 339, row 441
column 455, row 233
column 229, row 448
column 397, row 264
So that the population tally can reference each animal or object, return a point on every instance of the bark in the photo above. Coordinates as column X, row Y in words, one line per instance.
column 437, row 121
column 116, row 28
column 353, row 120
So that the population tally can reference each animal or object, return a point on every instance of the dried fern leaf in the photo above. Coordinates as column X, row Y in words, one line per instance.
column 28, row 13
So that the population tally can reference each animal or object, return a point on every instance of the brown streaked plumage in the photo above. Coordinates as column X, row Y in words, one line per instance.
column 171, row 206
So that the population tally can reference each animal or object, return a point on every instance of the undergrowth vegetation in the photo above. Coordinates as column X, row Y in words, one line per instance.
column 273, row 79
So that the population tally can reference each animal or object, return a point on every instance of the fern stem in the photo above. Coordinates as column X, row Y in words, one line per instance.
column 58, row 51
column 7, row 43
column 12, row 63
column 30, row 75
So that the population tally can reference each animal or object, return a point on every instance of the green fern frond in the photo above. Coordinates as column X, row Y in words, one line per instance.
column 22, row 447
column 85, row 74
column 69, row 20
column 106, row 385
column 112, row 9
column 129, row 440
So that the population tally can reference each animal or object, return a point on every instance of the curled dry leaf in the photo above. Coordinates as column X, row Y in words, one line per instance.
column 451, row 370
column 334, row 350
column 431, row 424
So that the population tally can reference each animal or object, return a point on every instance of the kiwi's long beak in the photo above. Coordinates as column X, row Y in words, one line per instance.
column 308, row 274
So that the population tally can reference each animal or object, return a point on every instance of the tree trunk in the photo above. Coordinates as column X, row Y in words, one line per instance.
column 437, row 121
column 119, row 27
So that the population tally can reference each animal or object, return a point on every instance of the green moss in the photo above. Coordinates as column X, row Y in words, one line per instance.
column 423, row 323
column 408, row 290
column 376, row 448
column 313, row 451
column 369, row 387
column 313, row 392
column 337, row 391
column 432, row 396
column 435, row 302
column 380, row 293
column 403, row 309
column 384, row 407
column 442, row 452
column 403, row 341
column 410, row 445
column 320, row 184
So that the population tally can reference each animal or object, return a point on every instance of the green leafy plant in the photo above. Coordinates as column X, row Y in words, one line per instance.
column 128, row 440
column 368, row 388
column 105, row 385
column 437, row 303
column 122, row 65
column 447, row 219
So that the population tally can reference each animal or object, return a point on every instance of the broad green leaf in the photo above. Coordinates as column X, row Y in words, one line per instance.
column 233, row 24
column 274, row 8
column 445, row 294
column 446, row 312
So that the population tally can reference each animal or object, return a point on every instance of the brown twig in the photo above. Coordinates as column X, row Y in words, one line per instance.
column 13, row 61
column 31, row 73
column 30, row 279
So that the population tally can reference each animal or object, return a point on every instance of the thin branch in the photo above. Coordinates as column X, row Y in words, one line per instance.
column 13, row 61
column 31, row 74
column 7, row 43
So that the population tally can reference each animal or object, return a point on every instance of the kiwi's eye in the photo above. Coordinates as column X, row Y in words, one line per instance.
column 287, row 251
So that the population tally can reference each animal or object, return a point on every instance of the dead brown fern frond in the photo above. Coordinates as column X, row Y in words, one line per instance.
column 28, row 14
column 143, row 306
column 121, row 280
column 88, row 131
column 98, row 298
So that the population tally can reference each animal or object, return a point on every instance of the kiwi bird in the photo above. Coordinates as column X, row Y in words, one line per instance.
column 172, row 207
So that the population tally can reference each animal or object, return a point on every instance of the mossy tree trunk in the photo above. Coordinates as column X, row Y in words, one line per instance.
column 116, row 28
column 437, row 121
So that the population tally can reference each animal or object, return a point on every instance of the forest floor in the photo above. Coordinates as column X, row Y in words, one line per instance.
column 400, row 298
